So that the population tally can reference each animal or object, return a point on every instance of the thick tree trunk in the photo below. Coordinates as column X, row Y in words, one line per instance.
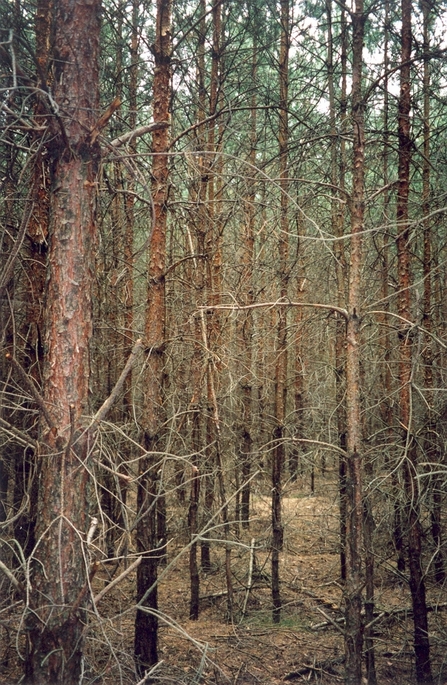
column 59, row 570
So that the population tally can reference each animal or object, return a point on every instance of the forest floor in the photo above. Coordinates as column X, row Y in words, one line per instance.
column 306, row 646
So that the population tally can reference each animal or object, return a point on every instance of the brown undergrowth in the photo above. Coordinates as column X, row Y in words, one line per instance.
column 307, row 645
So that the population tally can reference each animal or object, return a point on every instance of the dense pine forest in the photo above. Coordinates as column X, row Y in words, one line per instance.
column 223, row 408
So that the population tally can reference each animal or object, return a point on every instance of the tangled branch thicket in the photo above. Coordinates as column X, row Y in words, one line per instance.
column 222, row 353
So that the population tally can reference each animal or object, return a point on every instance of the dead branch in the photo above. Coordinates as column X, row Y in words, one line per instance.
column 104, row 118
column 19, row 435
column 327, row 665
column 123, row 476
column 17, row 584
column 7, row 271
column 33, row 390
column 331, row 620
column 117, row 580
column 136, row 133
column 278, row 303
column 378, row 615
column 105, row 407
column 250, row 575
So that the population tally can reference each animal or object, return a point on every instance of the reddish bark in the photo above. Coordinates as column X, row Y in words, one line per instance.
column 59, row 572
column 148, row 533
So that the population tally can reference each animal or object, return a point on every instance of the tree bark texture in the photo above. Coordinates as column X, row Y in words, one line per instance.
column 337, row 219
column 412, row 506
column 354, row 505
column 432, row 448
column 146, row 621
column 59, row 570
column 281, row 349
column 193, row 530
column 246, row 384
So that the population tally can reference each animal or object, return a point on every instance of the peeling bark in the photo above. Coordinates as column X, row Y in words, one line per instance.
column 58, row 567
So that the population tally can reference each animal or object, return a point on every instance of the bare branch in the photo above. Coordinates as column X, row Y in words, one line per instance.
column 104, row 118
column 7, row 271
column 33, row 390
column 18, row 434
column 137, row 133
column 117, row 580
column 17, row 584
column 278, row 303
column 105, row 407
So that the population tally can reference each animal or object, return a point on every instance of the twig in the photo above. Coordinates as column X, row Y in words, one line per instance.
column 7, row 271
column 331, row 620
column 105, row 407
column 326, row 624
column 224, row 593
column 71, row 410
column 378, row 615
column 319, row 666
column 271, row 305
column 84, row 589
column 117, row 580
column 18, row 434
column 123, row 476
column 407, row 612
column 17, row 584
column 149, row 673
column 33, row 390
column 92, row 529
column 250, row 576
column 104, row 118
column 136, row 133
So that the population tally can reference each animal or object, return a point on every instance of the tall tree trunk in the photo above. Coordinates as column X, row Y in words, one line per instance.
column 432, row 448
column 59, row 571
column 31, row 330
column 412, row 505
column 281, row 348
column 369, row 585
column 387, row 404
column 129, row 203
column 337, row 219
column 213, row 249
column 354, row 504
column 247, row 318
column 342, row 270
column 146, row 621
